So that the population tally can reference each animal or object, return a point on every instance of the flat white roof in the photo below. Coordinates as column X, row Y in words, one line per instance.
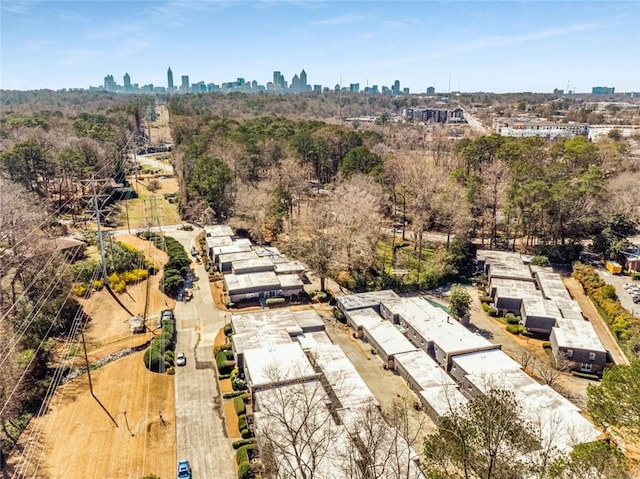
column 234, row 247
column 308, row 319
column 423, row 369
column 444, row 399
column 574, row 334
column 552, row 286
column 365, row 300
column 435, row 325
column 237, row 283
column 218, row 230
column 485, row 362
column 288, row 267
column 505, row 264
column 560, row 422
column 569, row 309
column 513, row 288
column 536, row 305
column 344, row 380
column 284, row 402
column 364, row 317
column 388, row 338
column 216, row 241
column 277, row 364
column 249, row 263
column 290, row 281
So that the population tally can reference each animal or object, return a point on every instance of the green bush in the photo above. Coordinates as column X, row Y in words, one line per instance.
column 233, row 394
column 224, row 366
column 274, row 301
column 242, row 422
column 321, row 296
column 486, row 307
column 493, row 312
column 224, row 376
column 486, row 299
column 245, row 471
column 153, row 360
column 245, row 433
column 512, row 318
column 242, row 454
column 243, row 442
column 239, row 406
column 585, row 375
column 339, row 315
column 169, row 357
column 228, row 330
column 546, row 345
column 171, row 370
column 516, row 329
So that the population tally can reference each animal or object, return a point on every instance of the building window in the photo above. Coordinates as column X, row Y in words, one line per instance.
column 569, row 353
column 585, row 367
column 592, row 356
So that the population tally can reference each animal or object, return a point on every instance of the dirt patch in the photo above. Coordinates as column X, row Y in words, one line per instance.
column 220, row 338
column 231, row 419
column 77, row 438
column 225, row 386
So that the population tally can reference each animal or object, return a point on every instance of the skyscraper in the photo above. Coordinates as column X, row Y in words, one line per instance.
column 303, row 81
column 127, row 82
column 185, row 84
column 109, row 83
column 170, row 79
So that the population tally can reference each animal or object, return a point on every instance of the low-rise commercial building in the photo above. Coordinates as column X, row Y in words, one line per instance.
column 576, row 346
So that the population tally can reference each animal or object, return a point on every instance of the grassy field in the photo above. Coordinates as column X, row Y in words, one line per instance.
column 167, row 213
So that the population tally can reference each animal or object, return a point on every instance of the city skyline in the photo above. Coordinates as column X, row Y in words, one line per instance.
column 453, row 46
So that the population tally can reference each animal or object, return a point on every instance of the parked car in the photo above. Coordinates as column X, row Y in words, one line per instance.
column 181, row 359
column 184, row 470
column 636, row 298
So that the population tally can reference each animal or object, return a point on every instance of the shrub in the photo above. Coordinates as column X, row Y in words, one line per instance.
column 153, row 360
column 242, row 442
column 228, row 330
column 171, row 371
column 486, row 307
column 512, row 318
column 222, row 347
column 493, row 312
column 242, row 422
column 274, row 301
column 486, row 299
column 242, row 454
column 238, row 405
column 546, row 345
column 339, row 315
column 321, row 296
column 245, row 471
column 585, row 375
column 98, row 285
column 245, row 433
column 233, row 394
column 515, row 328
column 224, row 366
column 80, row 289
column 169, row 357
column 539, row 260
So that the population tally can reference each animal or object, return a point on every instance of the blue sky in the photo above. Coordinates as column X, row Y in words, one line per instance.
column 503, row 46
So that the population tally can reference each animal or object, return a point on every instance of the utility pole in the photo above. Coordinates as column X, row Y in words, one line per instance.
column 100, row 241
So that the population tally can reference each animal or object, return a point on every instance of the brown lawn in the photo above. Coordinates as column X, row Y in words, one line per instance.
column 231, row 419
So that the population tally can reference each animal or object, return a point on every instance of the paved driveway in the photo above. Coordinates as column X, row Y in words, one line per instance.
column 200, row 428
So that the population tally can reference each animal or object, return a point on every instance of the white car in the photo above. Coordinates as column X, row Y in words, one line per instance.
column 181, row 359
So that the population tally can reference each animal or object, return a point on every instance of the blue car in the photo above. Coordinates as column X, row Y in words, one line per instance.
column 184, row 470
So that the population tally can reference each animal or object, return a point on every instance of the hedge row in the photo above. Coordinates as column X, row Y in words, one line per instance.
column 178, row 266
column 159, row 356
column 224, row 365
column 238, row 405
column 621, row 322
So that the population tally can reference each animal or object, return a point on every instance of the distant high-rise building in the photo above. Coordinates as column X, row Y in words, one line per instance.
column 295, row 84
column 278, row 81
column 185, row 84
column 395, row 89
column 354, row 87
column 127, row 82
column 558, row 92
column 110, row 83
column 170, row 79
column 603, row 90
column 317, row 87
column 431, row 90
column 304, row 86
